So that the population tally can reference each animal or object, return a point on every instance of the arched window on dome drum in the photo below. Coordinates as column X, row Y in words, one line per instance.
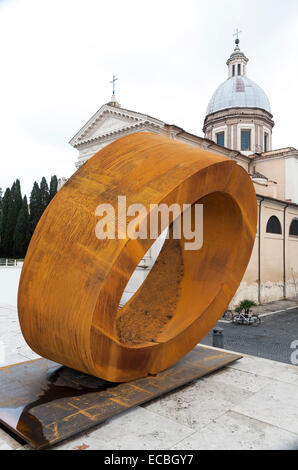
column 266, row 140
column 294, row 228
column 274, row 226
column 239, row 69
column 220, row 138
column 245, row 140
column 233, row 68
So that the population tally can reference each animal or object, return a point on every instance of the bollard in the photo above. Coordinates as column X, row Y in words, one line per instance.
column 218, row 338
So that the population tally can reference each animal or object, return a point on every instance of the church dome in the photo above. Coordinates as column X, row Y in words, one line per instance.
column 239, row 114
column 238, row 92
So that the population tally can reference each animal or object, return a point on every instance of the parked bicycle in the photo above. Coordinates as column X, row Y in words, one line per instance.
column 246, row 319
column 243, row 315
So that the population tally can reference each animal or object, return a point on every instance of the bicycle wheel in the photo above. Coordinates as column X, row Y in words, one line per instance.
column 256, row 321
column 228, row 315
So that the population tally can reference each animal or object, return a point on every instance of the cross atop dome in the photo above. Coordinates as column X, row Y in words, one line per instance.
column 237, row 40
column 237, row 61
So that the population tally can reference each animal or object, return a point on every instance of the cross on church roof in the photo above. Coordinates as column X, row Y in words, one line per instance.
column 113, row 81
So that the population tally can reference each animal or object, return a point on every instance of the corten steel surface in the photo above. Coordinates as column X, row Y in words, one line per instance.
column 71, row 283
column 44, row 403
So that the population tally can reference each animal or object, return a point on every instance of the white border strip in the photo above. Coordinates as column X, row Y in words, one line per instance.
column 278, row 311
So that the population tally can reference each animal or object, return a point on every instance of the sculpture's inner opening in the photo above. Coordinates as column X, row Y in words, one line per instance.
column 183, row 283
column 144, row 317
column 142, row 270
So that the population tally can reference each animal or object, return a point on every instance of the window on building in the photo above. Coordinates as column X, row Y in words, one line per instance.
column 239, row 69
column 233, row 70
column 266, row 142
column 294, row 228
column 274, row 226
column 220, row 138
column 245, row 140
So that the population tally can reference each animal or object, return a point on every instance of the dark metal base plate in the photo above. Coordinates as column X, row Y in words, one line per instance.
column 43, row 402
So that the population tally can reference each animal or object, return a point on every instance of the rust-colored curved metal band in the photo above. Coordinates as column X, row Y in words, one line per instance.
column 72, row 283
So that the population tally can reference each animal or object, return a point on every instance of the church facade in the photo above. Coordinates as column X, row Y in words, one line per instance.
column 238, row 125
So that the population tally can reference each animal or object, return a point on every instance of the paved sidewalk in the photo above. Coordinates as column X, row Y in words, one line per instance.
column 276, row 307
column 248, row 405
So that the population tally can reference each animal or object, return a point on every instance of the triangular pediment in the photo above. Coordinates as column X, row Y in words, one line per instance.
column 110, row 120
column 108, row 123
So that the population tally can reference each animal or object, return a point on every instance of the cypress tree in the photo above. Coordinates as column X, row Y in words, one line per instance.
column 3, row 223
column 53, row 186
column 8, row 229
column 44, row 193
column 36, row 208
column 22, row 231
column 18, row 199
column 17, row 223
column 1, row 192
column 14, row 207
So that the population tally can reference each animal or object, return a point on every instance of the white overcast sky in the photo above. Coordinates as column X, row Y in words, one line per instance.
column 58, row 56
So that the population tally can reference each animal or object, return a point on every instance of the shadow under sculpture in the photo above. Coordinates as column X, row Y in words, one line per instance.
column 72, row 282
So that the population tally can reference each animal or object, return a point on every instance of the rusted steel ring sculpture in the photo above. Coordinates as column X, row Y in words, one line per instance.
column 72, row 283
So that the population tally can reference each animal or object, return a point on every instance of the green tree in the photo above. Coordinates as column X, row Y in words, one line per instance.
column 53, row 186
column 16, row 196
column 14, row 207
column 22, row 232
column 245, row 305
column 36, row 206
column 1, row 193
column 44, row 193
column 17, row 223
column 3, row 223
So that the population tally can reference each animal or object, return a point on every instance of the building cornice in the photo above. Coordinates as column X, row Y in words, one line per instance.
column 117, row 132
column 230, row 114
column 280, row 202
column 208, row 144
column 275, row 155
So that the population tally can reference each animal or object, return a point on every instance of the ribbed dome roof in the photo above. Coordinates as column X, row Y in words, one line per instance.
column 238, row 92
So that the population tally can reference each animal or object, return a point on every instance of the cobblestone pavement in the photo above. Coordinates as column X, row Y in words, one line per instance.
column 271, row 340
